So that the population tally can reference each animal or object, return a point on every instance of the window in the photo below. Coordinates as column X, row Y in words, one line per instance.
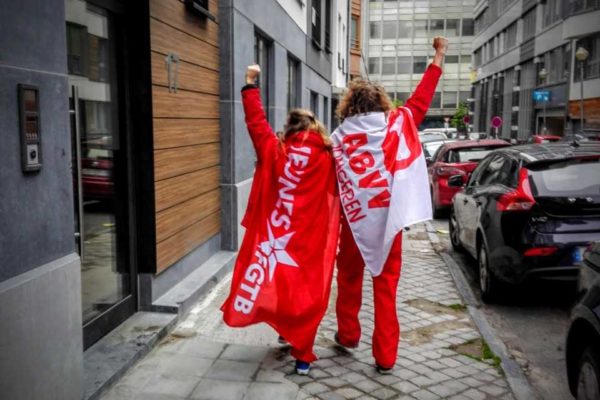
column 452, row 27
column 261, row 55
column 387, row 66
column 592, row 64
column 477, row 57
column 76, row 49
column 404, row 29
column 375, row 30
column 436, row 27
column 328, row 25
column 293, row 84
column 389, row 29
column 374, row 65
column 510, row 36
column 451, row 59
column 551, row 12
column 354, row 33
column 529, row 24
column 420, row 28
column 419, row 64
column 468, row 27
column 436, row 101
column 316, row 21
column 449, row 100
column 97, row 58
column 404, row 65
column 314, row 103
column 326, row 112
column 463, row 96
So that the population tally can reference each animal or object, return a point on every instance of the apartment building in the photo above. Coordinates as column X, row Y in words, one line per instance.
column 527, row 73
column 398, row 49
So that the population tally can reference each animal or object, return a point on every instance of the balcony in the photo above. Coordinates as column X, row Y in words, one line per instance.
column 581, row 18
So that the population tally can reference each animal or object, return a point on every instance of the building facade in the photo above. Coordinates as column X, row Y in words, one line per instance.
column 126, row 165
column 526, row 70
column 398, row 49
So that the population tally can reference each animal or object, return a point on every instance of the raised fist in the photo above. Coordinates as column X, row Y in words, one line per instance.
column 252, row 73
column 440, row 44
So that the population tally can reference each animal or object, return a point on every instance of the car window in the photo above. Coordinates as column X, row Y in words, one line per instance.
column 576, row 177
column 474, row 179
column 509, row 173
column 492, row 174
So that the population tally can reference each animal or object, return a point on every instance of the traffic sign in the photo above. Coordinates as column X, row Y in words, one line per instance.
column 466, row 119
column 496, row 122
column 541, row 96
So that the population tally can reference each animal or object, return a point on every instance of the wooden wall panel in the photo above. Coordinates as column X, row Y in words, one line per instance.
column 183, row 104
column 186, row 130
column 190, row 76
column 177, row 132
column 182, row 160
column 166, row 39
column 179, row 217
column 172, row 13
column 172, row 249
column 172, row 191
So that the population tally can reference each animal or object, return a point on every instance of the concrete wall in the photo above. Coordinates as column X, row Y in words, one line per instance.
column 239, row 20
column 40, row 288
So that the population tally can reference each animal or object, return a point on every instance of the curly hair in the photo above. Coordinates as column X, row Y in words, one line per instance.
column 362, row 97
column 300, row 120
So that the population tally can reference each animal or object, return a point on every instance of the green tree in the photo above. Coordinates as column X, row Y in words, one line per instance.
column 457, row 118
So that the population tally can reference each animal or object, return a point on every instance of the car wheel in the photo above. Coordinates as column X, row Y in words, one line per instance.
column 588, row 379
column 454, row 232
column 488, row 283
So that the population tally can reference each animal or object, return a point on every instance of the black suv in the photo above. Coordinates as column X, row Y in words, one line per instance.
column 528, row 212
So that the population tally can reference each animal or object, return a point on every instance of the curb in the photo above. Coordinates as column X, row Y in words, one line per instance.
column 520, row 386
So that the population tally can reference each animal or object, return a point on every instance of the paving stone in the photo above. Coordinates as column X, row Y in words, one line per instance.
column 331, row 396
column 383, row 393
column 367, row 385
column 232, row 370
column 315, row 388
column 405, row 387
column 475, row 394
column 200, row 347
column 180, row 365
column 168, row 385
column 215, row 389
column 424, row 395
column 492, row 389
column 349, row 393
column 261, row 391
column 333, row 382
column 244, row 353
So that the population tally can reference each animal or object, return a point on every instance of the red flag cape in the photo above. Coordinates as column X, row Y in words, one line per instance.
column 282, row 275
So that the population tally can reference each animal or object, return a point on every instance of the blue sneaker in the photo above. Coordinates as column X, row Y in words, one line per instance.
column 302, row 367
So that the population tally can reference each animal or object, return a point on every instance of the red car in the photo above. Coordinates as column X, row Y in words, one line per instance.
column 455, row 158
column 540, row 139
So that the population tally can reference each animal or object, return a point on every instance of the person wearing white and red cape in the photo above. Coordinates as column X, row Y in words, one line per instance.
column 383, row 185
column 283, row 272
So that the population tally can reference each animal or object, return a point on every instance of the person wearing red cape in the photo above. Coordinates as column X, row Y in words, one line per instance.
column 283, row 272
column 383, row 187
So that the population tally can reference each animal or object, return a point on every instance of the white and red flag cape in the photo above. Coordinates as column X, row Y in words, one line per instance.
column 382, row 179
column 283, row 272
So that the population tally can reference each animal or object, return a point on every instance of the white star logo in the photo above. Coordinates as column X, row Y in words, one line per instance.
column 274, row 251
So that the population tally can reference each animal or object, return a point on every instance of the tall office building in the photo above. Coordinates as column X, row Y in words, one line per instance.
column 399, row 49
column 527, row 71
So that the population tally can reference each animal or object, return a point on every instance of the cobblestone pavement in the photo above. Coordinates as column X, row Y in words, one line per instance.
column 440, row 354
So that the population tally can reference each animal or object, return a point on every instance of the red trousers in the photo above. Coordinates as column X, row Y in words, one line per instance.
column 351, row 267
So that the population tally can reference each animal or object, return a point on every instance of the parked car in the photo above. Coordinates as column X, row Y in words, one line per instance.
column 541, row 139
column 583, row 339
column 449, row 132
column 429, row 148
column 455, row 158
column 97, row 169
column 432, row 136
column 478, row 135
column 528, row 212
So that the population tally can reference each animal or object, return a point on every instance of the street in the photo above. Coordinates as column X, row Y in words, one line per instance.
column 532, row 323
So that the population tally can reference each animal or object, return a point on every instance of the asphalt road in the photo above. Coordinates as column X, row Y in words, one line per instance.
column 532, row 323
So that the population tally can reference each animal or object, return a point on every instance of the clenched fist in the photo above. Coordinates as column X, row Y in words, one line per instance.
column 440, row 44
column 252, row 73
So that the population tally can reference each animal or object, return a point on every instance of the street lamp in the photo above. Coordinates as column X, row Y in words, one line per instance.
column 543, row 74
column 581, row 55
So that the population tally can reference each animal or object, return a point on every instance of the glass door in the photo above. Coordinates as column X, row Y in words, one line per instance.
column 100, row 171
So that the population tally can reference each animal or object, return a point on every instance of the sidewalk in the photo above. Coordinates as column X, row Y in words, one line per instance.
column 439, row 355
